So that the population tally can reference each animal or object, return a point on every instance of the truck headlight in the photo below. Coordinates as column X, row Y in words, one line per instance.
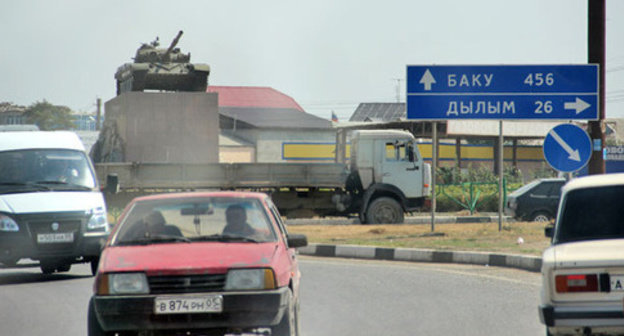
column 98, row 221
column 127, row 283
column 7, row 224
column 250, row 279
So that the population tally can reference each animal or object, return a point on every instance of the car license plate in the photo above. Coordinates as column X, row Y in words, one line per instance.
column 47, row 238
column 188, row 304
column 617, row 283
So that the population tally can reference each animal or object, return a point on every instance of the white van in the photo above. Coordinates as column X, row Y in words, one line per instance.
column 51, row 207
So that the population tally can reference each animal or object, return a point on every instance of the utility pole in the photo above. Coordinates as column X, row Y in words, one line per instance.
column 596, row 55
column 98, row 114
column 398, row 89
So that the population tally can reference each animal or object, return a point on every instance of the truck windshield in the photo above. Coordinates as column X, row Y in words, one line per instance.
column 45, row 169
column 592, row 213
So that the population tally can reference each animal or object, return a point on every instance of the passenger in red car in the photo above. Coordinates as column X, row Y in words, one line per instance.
column 236, row 218
column 156, row 225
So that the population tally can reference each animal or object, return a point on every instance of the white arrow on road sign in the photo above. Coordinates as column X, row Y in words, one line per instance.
column 427, row 79
column 579, row 105
column 574, row 153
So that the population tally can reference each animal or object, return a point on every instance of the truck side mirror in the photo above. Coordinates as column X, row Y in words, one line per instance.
column 549, row 231
column 112, row 184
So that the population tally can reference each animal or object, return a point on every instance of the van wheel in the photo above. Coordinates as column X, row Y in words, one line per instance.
column 47, row 267
column 540, row 216
column 94, row 265
column 384, row 210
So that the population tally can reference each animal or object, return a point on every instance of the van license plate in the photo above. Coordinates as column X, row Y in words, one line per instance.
column 188, row 304
column 48, row 238
column 617, row 283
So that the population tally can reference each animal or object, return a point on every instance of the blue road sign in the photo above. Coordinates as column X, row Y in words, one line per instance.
column 441, row 92
column 567, row 148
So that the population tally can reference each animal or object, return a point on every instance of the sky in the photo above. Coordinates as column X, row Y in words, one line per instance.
column 328, row 55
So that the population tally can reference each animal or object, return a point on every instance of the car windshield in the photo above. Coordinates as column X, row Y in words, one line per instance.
column 592, row 213
column 223, row 219
column 44, row 169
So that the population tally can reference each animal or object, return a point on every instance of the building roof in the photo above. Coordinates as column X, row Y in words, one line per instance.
column 275, row 117
column 10, row 108
column 265, row 107
column 379, row 112
column 253, row 96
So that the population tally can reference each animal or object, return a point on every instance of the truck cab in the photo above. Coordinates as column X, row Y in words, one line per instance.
column 392, row 174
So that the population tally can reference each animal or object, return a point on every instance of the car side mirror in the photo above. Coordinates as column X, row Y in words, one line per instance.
column 549, row 231
column 297, row 240
column 112, row 184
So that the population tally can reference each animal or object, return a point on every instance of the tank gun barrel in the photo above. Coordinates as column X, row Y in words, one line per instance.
column 174, row 43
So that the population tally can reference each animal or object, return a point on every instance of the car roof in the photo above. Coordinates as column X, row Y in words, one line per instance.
column 197, row 194
column 601, row 180
column 40, row 140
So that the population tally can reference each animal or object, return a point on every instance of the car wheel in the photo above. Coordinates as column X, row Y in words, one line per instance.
column 384, row 210
column 289, row 325
column 540, row 216
column 93, row 325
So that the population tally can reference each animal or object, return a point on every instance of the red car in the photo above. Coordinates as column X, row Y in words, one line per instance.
column 209, row 263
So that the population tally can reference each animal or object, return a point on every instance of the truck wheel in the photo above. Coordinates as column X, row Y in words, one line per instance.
column 384, row 210
column 362, row 218
column 63, row 268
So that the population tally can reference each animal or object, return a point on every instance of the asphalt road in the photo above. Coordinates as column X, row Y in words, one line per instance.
column 339, row 297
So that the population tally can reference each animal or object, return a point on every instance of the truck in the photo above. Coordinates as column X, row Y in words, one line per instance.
column 385, row 177
column 51, row 207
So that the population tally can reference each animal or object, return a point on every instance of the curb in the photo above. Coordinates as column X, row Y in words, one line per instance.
column 527, row 263
column 439, row 219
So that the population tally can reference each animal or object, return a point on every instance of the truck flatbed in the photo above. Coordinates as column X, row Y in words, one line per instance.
column 224, row 175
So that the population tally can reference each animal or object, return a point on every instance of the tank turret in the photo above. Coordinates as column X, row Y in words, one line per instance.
column 162, row 69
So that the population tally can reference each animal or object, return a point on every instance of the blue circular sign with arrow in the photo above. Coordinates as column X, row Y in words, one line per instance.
column 567, row 148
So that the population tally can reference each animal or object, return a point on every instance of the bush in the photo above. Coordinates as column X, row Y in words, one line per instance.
column 486, row 195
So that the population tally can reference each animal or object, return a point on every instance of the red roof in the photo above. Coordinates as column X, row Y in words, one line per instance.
column 253, row 96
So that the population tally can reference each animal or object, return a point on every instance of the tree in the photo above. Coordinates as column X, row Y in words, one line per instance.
column 49, row 117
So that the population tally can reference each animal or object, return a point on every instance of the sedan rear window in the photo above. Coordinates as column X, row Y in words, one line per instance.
column 592, row 213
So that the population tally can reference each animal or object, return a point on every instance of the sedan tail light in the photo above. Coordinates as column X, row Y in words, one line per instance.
column 573, row 283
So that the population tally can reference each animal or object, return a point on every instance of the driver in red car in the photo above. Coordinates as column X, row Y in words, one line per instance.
column 236, row 218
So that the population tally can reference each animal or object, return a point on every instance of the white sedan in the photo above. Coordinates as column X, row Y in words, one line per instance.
column 583, row 270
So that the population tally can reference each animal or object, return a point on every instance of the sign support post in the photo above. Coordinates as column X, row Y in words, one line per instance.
column 501, row 156
column 434, row 168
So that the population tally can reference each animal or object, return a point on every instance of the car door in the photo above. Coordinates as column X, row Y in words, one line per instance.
column 292, row 253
